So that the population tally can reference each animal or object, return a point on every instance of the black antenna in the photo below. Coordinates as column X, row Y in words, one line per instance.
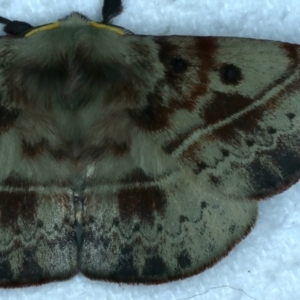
column 110, row 9
column 15, row 27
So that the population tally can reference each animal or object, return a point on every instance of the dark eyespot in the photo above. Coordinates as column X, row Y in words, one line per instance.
column 179, row 64
column 230, row 74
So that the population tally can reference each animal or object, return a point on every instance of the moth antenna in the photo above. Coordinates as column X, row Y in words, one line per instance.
column 4, row 20
column 15, row 27
column 110, row 9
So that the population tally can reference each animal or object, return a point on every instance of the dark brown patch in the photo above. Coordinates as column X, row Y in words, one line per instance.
column 154, row 116
column 60, row 153
column 205, row 48
column 31, row 151
column 230, row 74
column 7, row 118
column 168, row 52
column 199, row 56
column 223, row 105
column 91, row 75
column 176, row 62
column 292, row 52
column 31, row 76
column 74, row 84
column 14, row 180
column 15, row 205
column 135, row 176
column 248, row 123
column 141, row 202
column 119, row 149
column 226, row 133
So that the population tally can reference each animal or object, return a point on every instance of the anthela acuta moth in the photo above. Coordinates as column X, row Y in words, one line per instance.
column 118, row 152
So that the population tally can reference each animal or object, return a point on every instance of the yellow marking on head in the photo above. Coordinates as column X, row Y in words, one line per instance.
column 104, row 26
column 42, row 28
column 57, row 24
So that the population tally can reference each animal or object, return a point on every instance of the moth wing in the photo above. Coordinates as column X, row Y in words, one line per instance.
column 246, row 142
column 37, row 220
column 160, row 231
column 218, row 129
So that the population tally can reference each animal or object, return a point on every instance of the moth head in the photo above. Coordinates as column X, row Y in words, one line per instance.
column 110, row 9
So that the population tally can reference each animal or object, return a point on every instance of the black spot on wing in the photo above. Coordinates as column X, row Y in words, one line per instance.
column 126, row 269
column 225, row 152
column 203, row 204
column 263, row 179
column 159, row 228
column 155, row 267
column 291, row 115
column 174, row 64
column 249, row 143
column 287, row 161
column 31, row 271
column 230, row 74
column 200, row 166
column 179, row 64
column 183, row 219
column 6, row 273
column 184, row 260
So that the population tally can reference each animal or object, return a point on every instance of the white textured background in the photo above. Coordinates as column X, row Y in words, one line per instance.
column 266, row 265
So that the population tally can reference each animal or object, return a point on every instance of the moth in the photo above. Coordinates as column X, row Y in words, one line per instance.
column 133, row 158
